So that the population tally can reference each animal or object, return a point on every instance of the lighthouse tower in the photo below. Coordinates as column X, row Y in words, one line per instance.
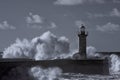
column 82, row 42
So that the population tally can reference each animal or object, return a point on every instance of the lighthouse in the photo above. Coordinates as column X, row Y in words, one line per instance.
column 82, row 35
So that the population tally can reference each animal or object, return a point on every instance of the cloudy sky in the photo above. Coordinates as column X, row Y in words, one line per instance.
column 30, row 18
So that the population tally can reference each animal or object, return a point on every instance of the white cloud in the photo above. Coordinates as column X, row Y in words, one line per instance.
column 36, row 21
column 53, row 25
column 79, row 23
column 115, row 12
column 4, row 26
column 90, row 15
column 76, row 2
column 109, row 27
column 69, row 2
column 34, row 18
column 96, row 1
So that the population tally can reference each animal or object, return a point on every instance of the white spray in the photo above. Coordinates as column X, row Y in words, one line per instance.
column 45, row 74
column 48, row 46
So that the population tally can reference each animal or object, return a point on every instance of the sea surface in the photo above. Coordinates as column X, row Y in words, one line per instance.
column 73, row 76
column 37, row 73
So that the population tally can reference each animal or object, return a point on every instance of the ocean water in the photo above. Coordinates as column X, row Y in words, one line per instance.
column 37, row 73
column 66, row 76
column 56, row 74
column 73, row 76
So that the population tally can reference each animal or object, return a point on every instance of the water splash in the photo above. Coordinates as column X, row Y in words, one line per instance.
column 47, row 46
column 46, row 74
